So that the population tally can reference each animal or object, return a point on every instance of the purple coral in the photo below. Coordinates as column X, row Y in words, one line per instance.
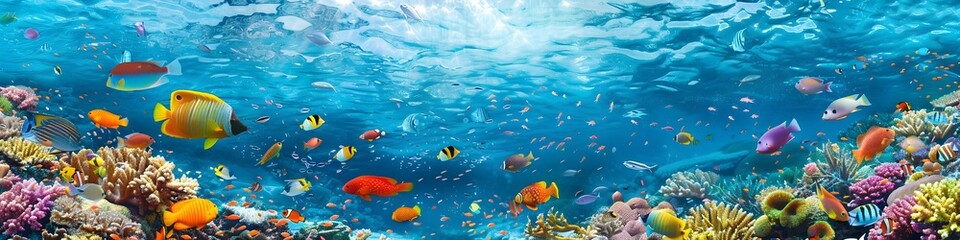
column 24, row 97
column 25, row 205
column 890, row 171
column 874, row 190
column 899, row 214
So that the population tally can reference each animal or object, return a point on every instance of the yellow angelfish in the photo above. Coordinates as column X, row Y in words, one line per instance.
column 195, row 114
column 666, row 223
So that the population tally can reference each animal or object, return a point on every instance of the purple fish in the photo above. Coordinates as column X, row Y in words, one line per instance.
column 141, row 30
column 586, row 199
column 776, row 137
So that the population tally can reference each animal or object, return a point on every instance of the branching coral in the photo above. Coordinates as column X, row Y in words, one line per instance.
column 9, row 126
column 914, row 123
column 890, row 171
column 721, row 221
column 951, row 98
column 838, row 166
column 25, row 98
column 873, row 189
column 692, row 184
column 134, row 178
column 552, row 225
column 740, row 190
column 909, row 189
column 24, row 152
column 25, row 205
column 68, row 212
column 899, row 213
column 937, row 205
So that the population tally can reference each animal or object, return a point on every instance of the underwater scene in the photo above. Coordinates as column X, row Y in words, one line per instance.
column 479, row 119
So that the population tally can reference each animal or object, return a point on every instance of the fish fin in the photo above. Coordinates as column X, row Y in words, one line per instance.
column 530, row 155
column 528, row 164
column 366, row 197
column 121, row 143
column 826, row 87
column 794, row 126
column 863, row 100
column 885, row 141
column 860, row 138
column 95, row 124
column 554, row 191
column 541, row 184
column 174, row 68
column 852, row 97
column 858, row 154
column 405, row 187
column 160, row 81
column 207, row 144
column 169, row 218
column 121, row 82
column 160, row 113
column 123, row 122
column 416, row 208
column 532, row 207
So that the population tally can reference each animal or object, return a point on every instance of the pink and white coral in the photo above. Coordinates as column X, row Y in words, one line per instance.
column 25, row 205
column 25, row 98
column 899, row 214
column 811, row 169
column 873, row 189
column 890, row 171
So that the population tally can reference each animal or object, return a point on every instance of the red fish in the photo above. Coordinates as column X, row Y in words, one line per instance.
column 371, row 135
column 130, row 68
column 536, row 194
column 872, row 143
column 367, row 185
column 293, row 215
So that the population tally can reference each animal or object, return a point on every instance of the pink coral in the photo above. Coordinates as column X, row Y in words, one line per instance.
column 811, row 169
column 23, row 96
column 874, row 190
column 899, row 214
column 891, row 171
column 25, row 205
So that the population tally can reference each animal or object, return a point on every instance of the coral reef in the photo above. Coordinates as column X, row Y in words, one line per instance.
column 6, row 107
column 821, row 230
column 908, row 190
column 739, row 190
column 25, row 205
column 9, row 126
column 68, row 212
column 135, row 178
column 899, row 213
column 330, row 230
column 839, row 168
column 719, row 221
column 873, row 189
column 23, row 152
column 784, row 215
column 937, row 206
column 24, row 97
column 914, row 123
column 890, row 171
column 692, row 184
column 551, row 225
column 62, row 234
column 606, row 224
column 948, row 99
column 7, row 179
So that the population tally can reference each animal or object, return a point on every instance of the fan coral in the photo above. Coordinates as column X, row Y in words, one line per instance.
column 890, row 171
column 9, row 126
column 937, row 205
column 739, row 190
column 898, row 212
column 874, row 190
column 68, row 212
column 134, row 178
column 692, row 184
column 25, row 205
column 25, row 98
column 721, row 221
column 25, row 152
column 549, row 227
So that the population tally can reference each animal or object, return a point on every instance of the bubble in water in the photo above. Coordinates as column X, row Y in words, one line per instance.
column 304, row 110
column 279, row 105
column 254, row 106
column 295, row 156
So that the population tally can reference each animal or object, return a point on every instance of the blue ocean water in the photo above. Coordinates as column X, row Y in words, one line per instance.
column 579, row 66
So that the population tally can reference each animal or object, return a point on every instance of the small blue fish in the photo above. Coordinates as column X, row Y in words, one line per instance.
column 937, row 118
column 923, row 51
column 865, row 215
column 586, row 199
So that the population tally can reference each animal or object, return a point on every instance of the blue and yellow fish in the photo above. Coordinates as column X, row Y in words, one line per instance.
column 51, row 131
column 666, row 223
column 195, row 114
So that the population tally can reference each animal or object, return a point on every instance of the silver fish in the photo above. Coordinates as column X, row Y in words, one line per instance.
column 638, row 166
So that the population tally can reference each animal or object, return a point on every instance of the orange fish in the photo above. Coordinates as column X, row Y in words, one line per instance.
column 331, row 205
column 406, row 214
column 105, row 119
column 334, row 217
column 163, row 234
column 312, row 143
column 256, row 187
column 293, row 215
column 903, row 107
column 872, row 143
column 232, row 217
column 367, row 185
column 135, row 140
column 533, row 195
column 254, row 233
column 191, row 213
column 232, row 203
column 831, row 205
column 186, row 237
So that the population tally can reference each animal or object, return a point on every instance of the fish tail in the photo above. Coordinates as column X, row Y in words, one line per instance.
column 794, row 126
column 405, row 187
column 121, row 143
column 174, row 67
column 554, row 191
column 169, row 218
column 123, row 122
column 863, row 100
column 858, row 154
column 530, row 155
column 160, row 113
column 826, row 87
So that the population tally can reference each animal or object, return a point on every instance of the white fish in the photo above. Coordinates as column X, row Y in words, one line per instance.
column 324, row 85
column 125, row 57
column 638, row 166
column 749, row 78
column 840, row 108
column 738, row 42
column 410, row 12
column 294, row 188
column 667, row 88
column 410, row 123
column 570, row 173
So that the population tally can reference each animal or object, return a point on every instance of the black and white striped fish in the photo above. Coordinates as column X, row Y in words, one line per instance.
column 739, row 42
column 865, row 215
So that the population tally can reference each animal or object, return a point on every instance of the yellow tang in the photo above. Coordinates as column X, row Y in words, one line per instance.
column 195, row 114
column 666, row 223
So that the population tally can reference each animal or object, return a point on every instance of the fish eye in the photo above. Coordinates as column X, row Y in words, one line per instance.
column 758, row 142
column 179, row 97
column 834, row 111
column 825, row 112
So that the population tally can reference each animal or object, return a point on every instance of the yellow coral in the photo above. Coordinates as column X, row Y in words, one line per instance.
column 720, row 222
column 134, row 177
column 26, row 152
column 776, row 200
column 762, row 226
column 549, row 227
column 937, row 204
column 794, row 213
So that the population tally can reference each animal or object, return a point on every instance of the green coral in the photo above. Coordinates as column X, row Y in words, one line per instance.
column 821, row 230
column 762, row 226
column 785, row 215
column 794, row 213
column 937, row 205
column 6, row 106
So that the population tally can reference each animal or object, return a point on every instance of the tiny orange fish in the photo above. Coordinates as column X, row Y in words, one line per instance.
column 233, row 217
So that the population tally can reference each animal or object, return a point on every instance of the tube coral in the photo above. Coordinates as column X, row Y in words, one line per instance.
column 721, row 221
